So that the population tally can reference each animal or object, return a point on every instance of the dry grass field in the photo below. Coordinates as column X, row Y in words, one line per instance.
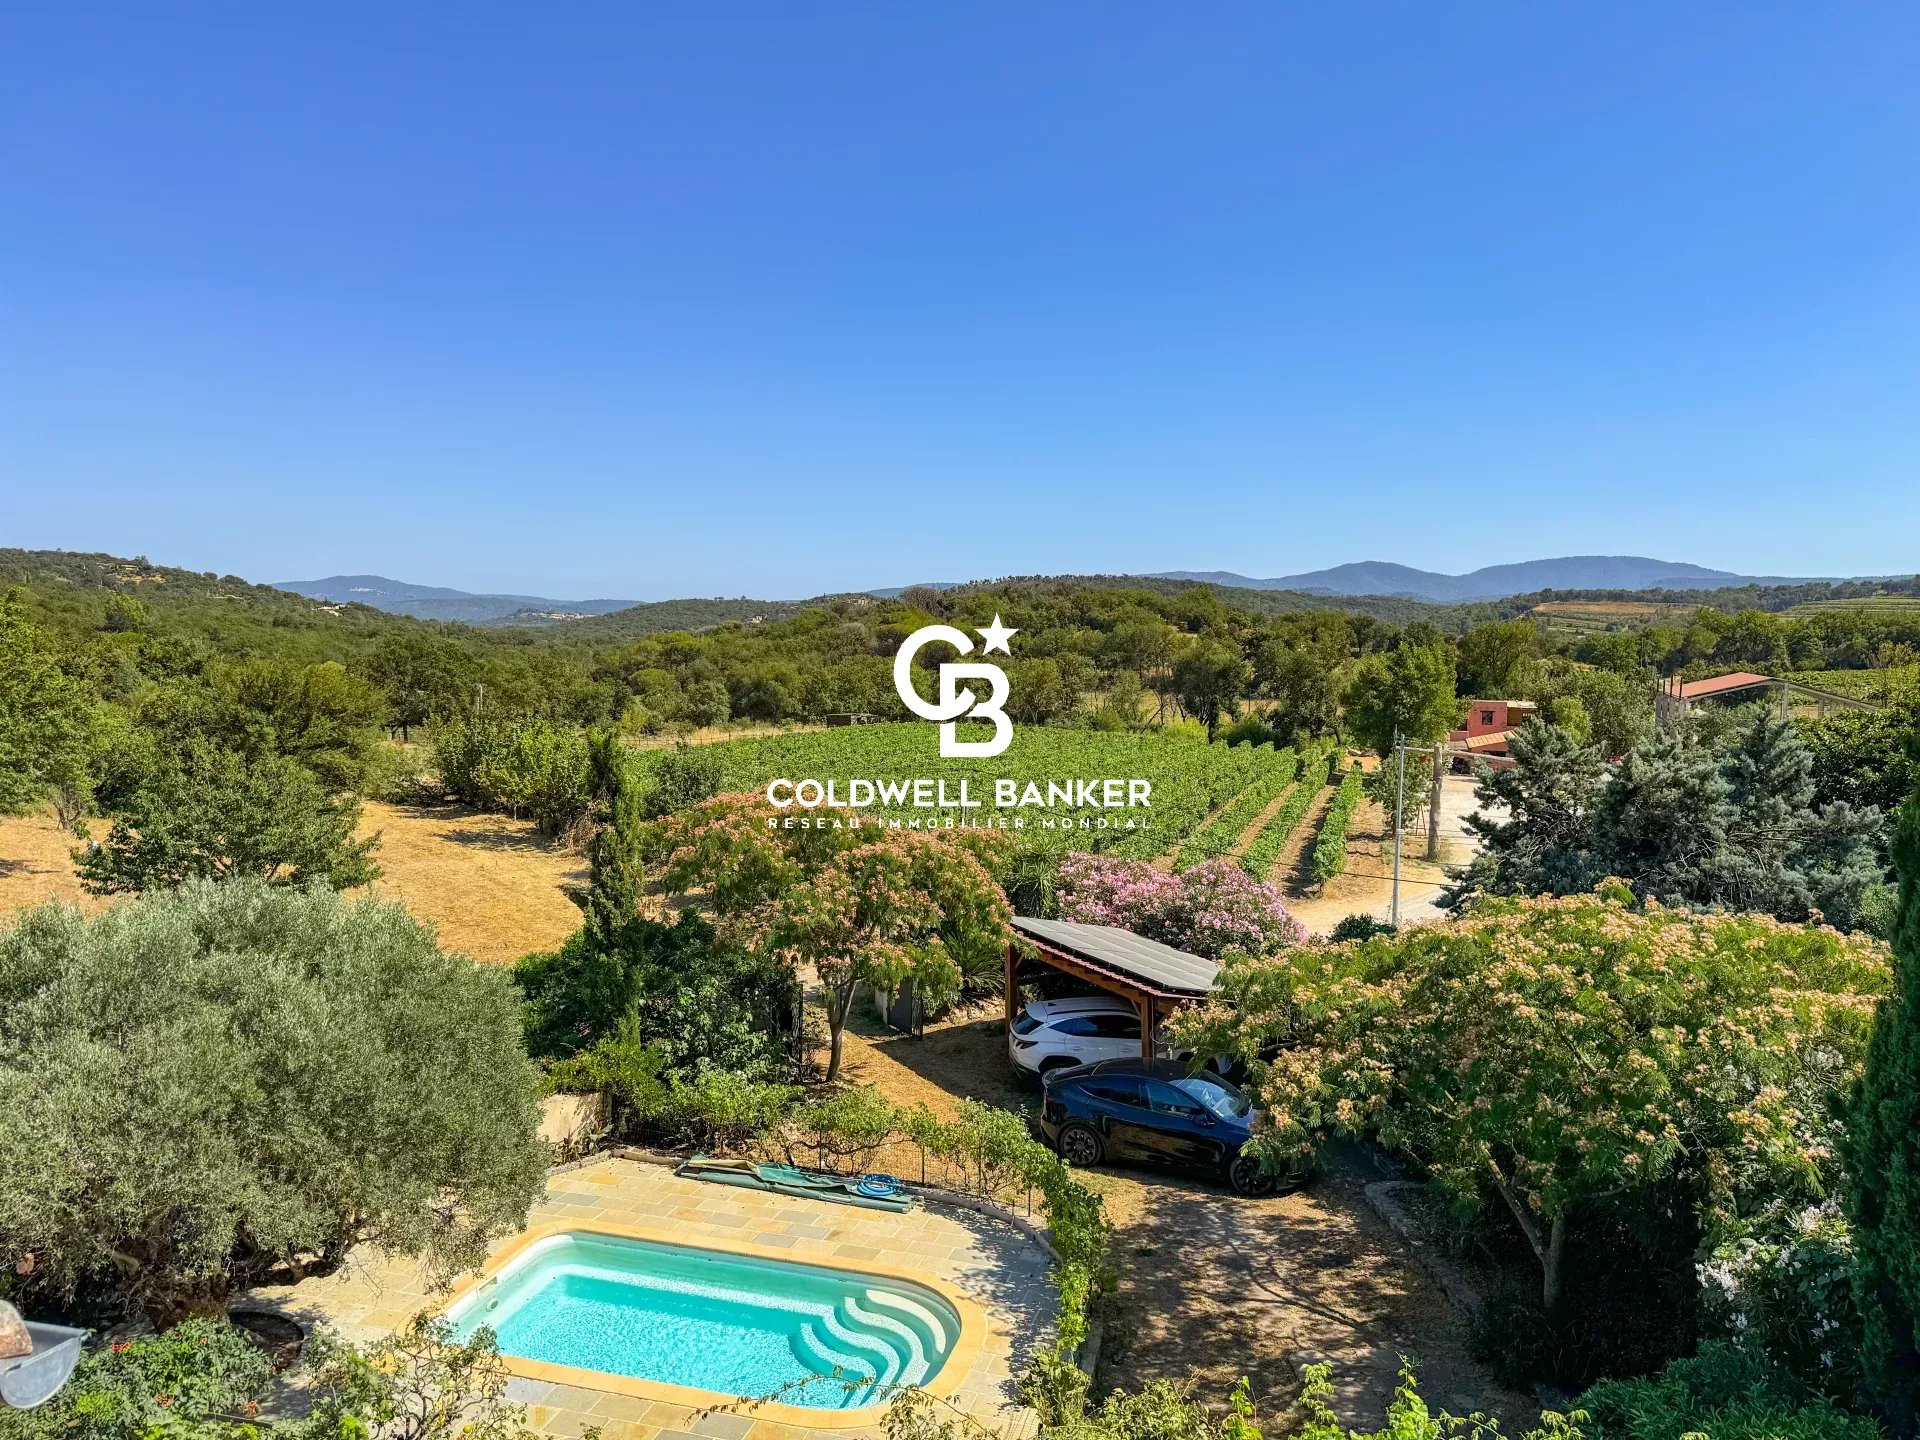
column 490, row 885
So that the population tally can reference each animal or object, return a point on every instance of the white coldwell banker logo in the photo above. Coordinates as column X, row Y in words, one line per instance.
column 954, row 701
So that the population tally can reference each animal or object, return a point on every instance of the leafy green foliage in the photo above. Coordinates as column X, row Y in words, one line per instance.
column 201, row 1085
column 417, row 1384
column 46, row 725
column 1545, row 1053
column 1223, row 832
column 201, row 811
column 706, row 1000
column 1491, row 656
column 1723, row 1393
column 1866, row 757
column 1883, row 1162
column 1406, row 693
column 193, row 1380
column 1330, row 845
column 1408, row 1417
column 1210, row 679
column 685, row 776
column 1683, row 821
column 529, row 767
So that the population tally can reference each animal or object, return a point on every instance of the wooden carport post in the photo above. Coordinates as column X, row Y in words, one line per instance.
column 1013, row 985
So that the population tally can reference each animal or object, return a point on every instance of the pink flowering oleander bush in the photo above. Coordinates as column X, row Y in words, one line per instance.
column 1541, row 1054
column 1212, row 909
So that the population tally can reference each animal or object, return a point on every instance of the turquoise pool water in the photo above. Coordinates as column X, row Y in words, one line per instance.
column 823, row 1338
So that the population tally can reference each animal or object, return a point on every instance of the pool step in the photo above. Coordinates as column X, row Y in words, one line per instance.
column 900, row 1336
column 883, row 1354
column 934, row 1328
column 820, row 1353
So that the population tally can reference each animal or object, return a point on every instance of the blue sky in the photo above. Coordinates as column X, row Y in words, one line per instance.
column 724, row 299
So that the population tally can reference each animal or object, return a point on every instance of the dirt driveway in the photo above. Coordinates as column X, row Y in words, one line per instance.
column 1215, row 1286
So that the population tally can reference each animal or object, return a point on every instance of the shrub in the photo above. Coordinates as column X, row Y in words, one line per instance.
column 1722, row 1393
column 1209, row 909
column 199, row 1086
column 1883, row 1161
column 1781, row 1288
column 199, row 811
column 531, row 767
column 417, row 1384
column 685, row 776
column 185, row 1381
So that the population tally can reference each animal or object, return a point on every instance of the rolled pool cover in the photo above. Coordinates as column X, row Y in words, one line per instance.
column 791, row 1180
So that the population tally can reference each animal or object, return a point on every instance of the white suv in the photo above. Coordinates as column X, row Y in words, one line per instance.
column 1053, row 1034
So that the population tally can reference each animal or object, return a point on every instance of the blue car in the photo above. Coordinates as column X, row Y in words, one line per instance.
column 1153, row 1112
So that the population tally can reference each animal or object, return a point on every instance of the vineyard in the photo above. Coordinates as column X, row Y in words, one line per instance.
column 1881, row 686
column 1330, row 849
column 1191, row 780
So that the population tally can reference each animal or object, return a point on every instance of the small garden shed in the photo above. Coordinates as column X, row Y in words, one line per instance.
column 1155, row 979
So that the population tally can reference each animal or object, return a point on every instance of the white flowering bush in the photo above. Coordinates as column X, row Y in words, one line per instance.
column 1781, row 1288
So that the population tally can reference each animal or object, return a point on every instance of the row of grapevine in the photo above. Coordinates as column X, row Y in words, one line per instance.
column 1222, row 833
column 1259, row 858
column 1330, row 847
column 1190, row 778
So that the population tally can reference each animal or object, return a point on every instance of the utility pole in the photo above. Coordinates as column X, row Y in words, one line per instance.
column 1433, row 805
column 1399, row 800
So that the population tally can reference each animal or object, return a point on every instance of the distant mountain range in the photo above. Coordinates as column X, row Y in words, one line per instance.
column 1361, row 578
column 436, row 602
column 1493, row 582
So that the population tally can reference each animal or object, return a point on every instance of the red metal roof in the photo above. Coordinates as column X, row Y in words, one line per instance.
column 1721, row 684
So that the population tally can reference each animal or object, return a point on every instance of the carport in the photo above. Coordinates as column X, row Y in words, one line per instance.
column 1155, row 979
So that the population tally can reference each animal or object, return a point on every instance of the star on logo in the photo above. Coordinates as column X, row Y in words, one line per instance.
column 996, row 635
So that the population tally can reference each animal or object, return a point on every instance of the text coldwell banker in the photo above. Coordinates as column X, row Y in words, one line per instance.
column 957, row 795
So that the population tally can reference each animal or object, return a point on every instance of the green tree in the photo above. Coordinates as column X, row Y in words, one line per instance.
column 1866, row 757
column 613, row 854
column 1542, row 840
column 202, row 811
column 46, row 718
column 1883, row 1162
column 1544, row 1055
column 684, row 776
column 706, row 703
column 200, row 1086
column 1490, row 657
column 1407, row 692
column 1210, row 678
column 1731, row 824
column 425, row 677
column 1302, row 665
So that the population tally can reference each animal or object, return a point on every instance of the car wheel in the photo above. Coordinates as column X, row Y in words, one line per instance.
column 1081, row 1146
column 1248, row 1176
column 1056, row 1062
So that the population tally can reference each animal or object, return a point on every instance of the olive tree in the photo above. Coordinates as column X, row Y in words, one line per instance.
column 206, row 1087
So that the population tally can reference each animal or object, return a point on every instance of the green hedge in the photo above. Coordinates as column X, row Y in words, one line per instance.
column 1330, row 849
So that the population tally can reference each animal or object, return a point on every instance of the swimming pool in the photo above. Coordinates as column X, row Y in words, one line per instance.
column 730, row 1324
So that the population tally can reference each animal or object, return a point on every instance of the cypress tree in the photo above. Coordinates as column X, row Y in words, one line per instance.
column 613, row 882
column 1883, row 1160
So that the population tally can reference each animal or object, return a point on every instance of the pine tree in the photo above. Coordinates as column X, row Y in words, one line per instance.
column 1883, row 1161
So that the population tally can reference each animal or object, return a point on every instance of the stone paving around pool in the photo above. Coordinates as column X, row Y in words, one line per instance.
column 984, row 1258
